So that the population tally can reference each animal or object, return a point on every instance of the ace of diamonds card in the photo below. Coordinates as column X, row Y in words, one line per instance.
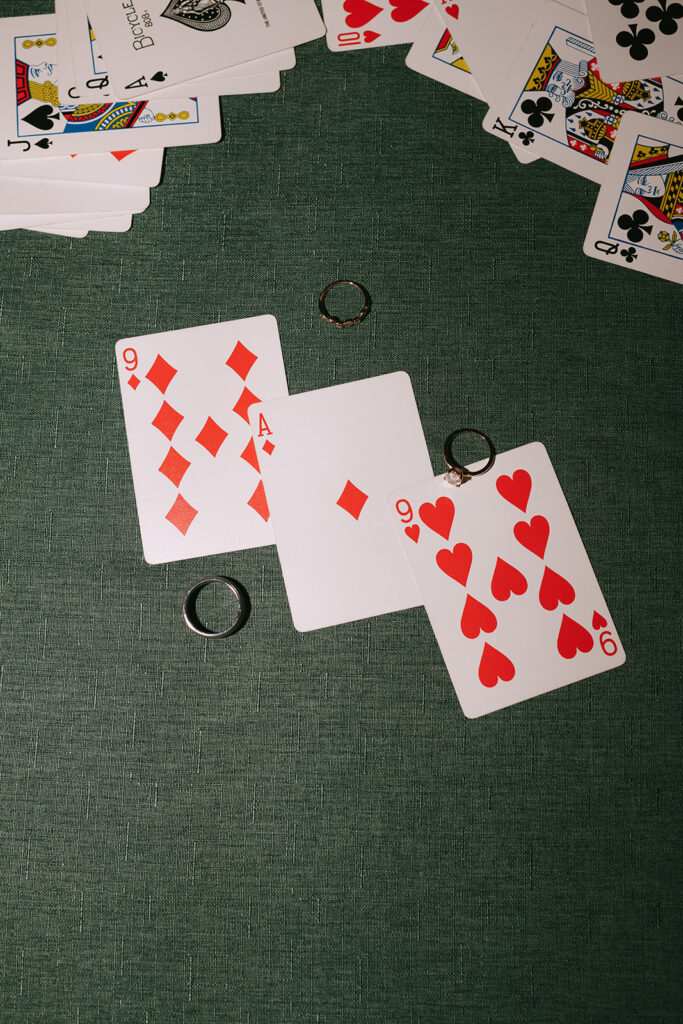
column 506, row 582
column 196, row 470
column 335, row 454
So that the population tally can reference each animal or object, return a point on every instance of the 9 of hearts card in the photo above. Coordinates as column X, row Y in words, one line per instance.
column 506, row 582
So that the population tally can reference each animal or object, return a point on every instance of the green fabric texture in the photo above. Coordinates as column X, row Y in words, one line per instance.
column 285, row 828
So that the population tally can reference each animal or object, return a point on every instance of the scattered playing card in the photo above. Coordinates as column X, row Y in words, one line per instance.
column 359, row 24
column 506, row 582
column 33, row 121
column 637, row 38
column 127, row 167
column 555, row 100
column 638, row 218
column 67, row 197
column 446, row 15
column 436, row 54
column 491, row 33
column 186, row 397
column 86, row 77
column 333, row 456
column 170, row 42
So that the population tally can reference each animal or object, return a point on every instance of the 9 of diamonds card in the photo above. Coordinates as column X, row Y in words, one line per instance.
column 506, row 582
column 196, row 469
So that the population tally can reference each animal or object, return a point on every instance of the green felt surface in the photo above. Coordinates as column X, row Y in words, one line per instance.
column 304, row 829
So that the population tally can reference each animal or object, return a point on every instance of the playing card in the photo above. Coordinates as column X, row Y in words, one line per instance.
column 80, row 227
column 358, row 24
column 89, row 72
column 332, row 456
column 32, row 120
column 638, row 218
column 127, row 167
column 11, row 221
column 506, row 582
column 169, row 41
column 113, row 222
column 436, row 54
column 186, row 396
column 494, row 30
column 637, row 38
column 228, row 85
column 67, row 76
column 555, row 101
column 66, row 232
column 233, row 81
column 19, row 195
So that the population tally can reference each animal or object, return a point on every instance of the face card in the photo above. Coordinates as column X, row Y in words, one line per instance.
column 506, row 582
column 186, row 396
column 332, row 456
column 86, row 78
column 170, row 41
column 32, row 121
column 638, row 218
column 19, row 195
column 555, row 100
column 637, row 38
column 123, row 167
column 359, row 24
column 436, row 54
column 490, row 32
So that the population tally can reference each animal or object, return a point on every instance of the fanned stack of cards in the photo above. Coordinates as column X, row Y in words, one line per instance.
column 595, row 86
column 93, row 94
column 341, row 480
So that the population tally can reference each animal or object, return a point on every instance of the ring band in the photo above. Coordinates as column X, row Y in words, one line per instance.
column 367, row 302
column 458, row 474
column 190, row 607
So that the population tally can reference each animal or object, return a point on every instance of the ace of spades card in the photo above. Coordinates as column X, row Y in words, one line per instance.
column 556, row 101
column 506, row 581
column 638, row 218
column 637, row 38
column 359, row 24
column 161, row 43
column 196, row 469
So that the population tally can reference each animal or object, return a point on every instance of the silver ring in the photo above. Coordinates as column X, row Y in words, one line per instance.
column 190, row 607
